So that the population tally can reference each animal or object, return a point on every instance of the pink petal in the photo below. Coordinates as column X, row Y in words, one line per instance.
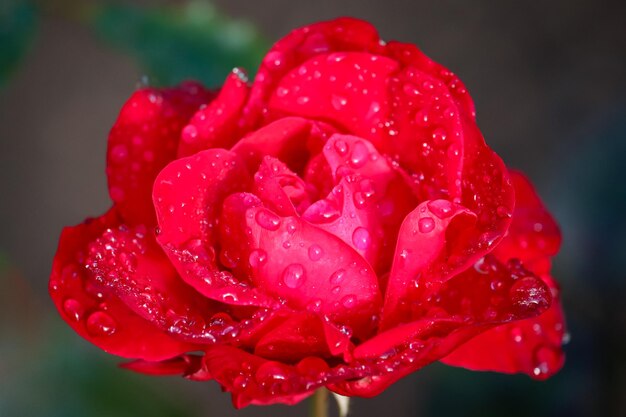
column 312, row 269
column 143, row 140
column 218, row 124
column 98, row 316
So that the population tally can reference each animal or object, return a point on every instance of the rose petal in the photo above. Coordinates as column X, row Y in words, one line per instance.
column 130, row 264
column 254, row 380
column 218, row 124
column 465, row 306
column 367, row 207
column 188, row 197
column 290, row 139
column 98, row 316
column 332, row 88
column 534, row 233
column 279, row 188
column 344, row 34
column 301, row 334
column 436, row 241
column 143, row 140
column 531, row 346
column 312, row 269
column 180, row 365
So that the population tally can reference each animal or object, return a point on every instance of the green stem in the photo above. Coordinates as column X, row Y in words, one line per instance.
column 319, row 403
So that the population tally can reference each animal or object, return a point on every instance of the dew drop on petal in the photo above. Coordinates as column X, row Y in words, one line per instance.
column 338, row 102
column 361, row 238
column 257, row 258
column 440, row 208
column 73, row 309
column 294, row 275
column 189, row 133
column 341, row 147
column 100, row 323
column 426, row 224
column 359, row 155
column 337, row 276
column 348, row 301
column 315, row 252
column 267, row 220
column 119, row 153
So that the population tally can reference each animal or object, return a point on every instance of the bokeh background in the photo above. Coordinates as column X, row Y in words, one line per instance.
column 548, row 79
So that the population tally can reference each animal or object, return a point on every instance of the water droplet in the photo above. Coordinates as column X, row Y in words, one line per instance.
column 361, row 238
column 294, row 276
column 274, row 59
column 337, row 276
column 359, row 155
column 338, row 102
column 119, row 153
column 439, row 136
column 315, row 305
column 348, row 301
column 189, row 133
column 73, row 309
column 315, row 252
column 426, row 224
column 100, row 323
column 440, row 208
column 302, row 100
column 517, row 335
column 267, row 220
column 341, row 147
column 503, row 212
column 257, row 258
column 410, row 89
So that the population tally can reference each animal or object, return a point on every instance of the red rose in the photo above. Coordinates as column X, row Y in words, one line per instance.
column 340, row 222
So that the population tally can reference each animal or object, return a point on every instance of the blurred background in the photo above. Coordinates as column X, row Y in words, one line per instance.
column 548, row 79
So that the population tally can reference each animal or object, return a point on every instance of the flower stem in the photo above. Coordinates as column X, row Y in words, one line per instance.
column 319, row 403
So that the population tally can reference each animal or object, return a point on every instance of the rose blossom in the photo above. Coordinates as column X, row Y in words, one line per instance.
column 339, row 222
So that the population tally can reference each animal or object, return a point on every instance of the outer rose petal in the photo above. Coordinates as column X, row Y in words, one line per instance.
column 131, row 265
column 464, row 306
column 344, row 34
column 143, row 140
column 100, row 317
column 533, row 233
column 332, row 87
column 218, row 124
column 188, row 196
column 531, row 346
column 312, row 269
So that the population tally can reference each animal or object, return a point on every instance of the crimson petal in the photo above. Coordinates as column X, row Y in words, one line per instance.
column 312, row 269
column 98, row 316
column 218, row 124
column 143, row 140
column 188, row 197
column 130, row 264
